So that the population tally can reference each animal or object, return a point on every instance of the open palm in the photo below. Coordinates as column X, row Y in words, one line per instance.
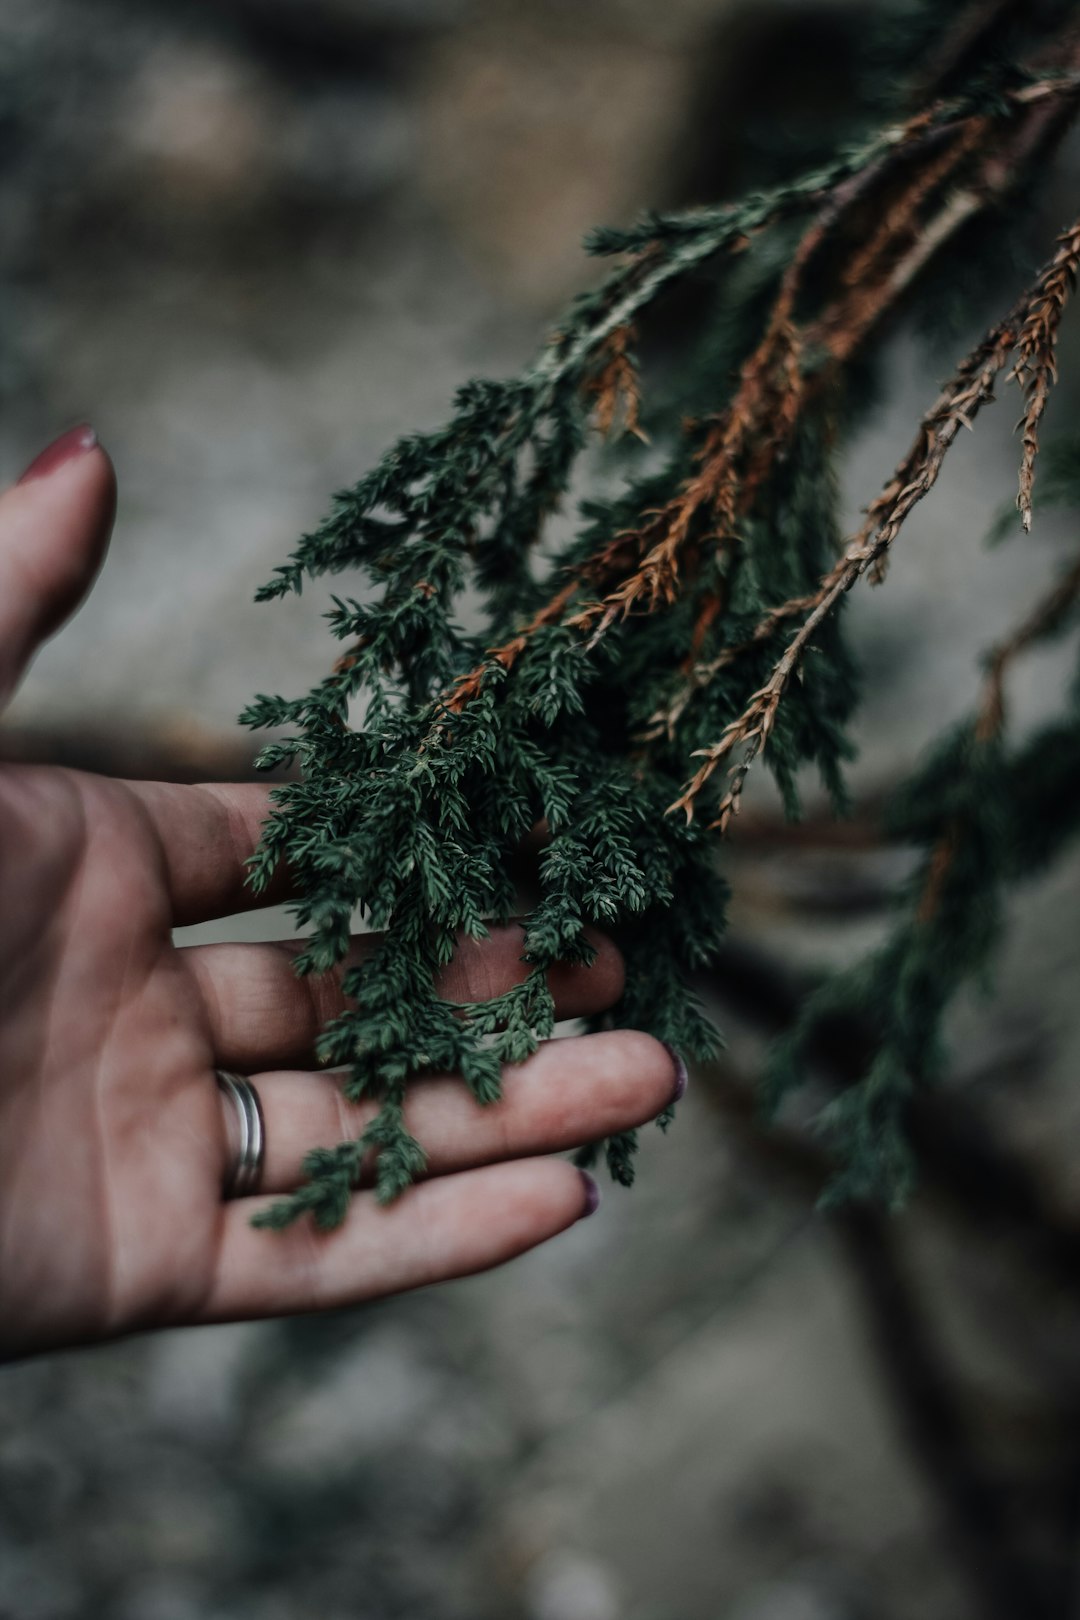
column 114, row 1139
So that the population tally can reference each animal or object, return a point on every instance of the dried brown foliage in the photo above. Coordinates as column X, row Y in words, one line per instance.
column 873, row 232
column 615, row 387
column 970, row 389
column 1036, row 363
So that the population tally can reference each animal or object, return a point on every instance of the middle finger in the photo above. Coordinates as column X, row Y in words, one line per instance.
column 262, row 1015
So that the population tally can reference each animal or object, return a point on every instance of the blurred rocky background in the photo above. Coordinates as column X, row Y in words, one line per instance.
column 252, row 240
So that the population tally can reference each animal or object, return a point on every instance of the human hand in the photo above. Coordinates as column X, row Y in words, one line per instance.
column 114, row 1136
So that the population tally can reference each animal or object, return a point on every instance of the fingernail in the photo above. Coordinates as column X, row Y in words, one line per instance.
column 75, row 442
column 678, row 1063
column 592, row 1194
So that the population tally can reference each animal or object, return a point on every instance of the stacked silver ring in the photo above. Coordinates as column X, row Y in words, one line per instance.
column 246, row 1169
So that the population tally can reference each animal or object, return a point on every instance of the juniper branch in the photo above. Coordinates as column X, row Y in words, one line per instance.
column 1033, row 325
column 427, row 759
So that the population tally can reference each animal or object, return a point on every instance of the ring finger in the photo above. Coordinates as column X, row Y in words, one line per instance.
column 570, row 1091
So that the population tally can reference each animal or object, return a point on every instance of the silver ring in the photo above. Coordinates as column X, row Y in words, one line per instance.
column 246, row 1170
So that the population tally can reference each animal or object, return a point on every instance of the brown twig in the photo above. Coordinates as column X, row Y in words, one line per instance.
column 652, row 551
column 956, row 407
column 469, row 685
column 1032, row 326
column 1036, row 364
column 840, row 330
column 615, row 387
column 742, row 444
column 904, row 217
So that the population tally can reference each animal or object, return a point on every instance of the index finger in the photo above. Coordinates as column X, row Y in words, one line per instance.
column 208, row 833
column 54, row 527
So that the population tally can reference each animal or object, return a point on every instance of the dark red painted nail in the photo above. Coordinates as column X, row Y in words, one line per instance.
column 678, row 1063
column 75, row 442
column 592, row 1194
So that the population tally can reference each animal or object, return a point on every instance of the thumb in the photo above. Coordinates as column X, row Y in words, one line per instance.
column 54, row 527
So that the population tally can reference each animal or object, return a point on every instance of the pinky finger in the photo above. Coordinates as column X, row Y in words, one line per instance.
column 449, row 1227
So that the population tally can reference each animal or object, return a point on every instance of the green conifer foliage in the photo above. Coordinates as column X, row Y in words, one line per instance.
column 618, row 687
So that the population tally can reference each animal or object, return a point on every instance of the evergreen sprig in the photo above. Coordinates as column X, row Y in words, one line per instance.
column 492, row 687
column 984, row 817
